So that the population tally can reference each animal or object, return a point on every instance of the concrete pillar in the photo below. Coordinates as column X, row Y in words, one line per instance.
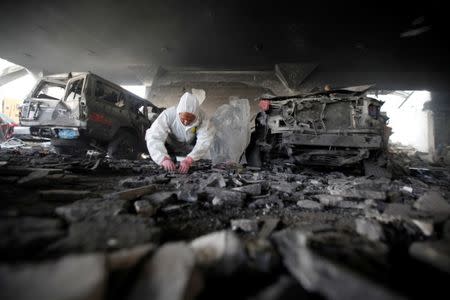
column 440, row 106
column 431, row 140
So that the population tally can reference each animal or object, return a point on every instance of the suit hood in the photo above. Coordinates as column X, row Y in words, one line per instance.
column 188, row 103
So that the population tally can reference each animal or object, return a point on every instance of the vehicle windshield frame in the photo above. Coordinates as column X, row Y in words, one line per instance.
column 68, row 85
column 49, row 83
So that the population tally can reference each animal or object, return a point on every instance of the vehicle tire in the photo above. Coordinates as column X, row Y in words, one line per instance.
column 69, row 147
column 253, row 156
column 124, row 146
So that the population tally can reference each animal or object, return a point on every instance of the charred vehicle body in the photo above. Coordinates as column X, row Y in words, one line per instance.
column 90, row 112
column 334, row 128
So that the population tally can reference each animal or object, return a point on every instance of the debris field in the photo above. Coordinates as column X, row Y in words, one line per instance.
column 97, row 228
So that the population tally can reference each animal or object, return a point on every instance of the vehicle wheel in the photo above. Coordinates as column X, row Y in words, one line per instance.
column 253, row 155
column 124, row 146
column 69, row 147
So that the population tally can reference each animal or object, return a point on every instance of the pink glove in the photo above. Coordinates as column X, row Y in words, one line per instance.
column 168, row 164
column 185, row 165
column 264, row 105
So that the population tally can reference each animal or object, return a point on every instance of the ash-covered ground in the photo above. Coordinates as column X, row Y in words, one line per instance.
column 96, row 228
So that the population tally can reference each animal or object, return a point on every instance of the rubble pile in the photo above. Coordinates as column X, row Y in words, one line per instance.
column 96, row 228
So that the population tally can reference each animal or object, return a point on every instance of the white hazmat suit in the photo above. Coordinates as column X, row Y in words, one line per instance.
column 168, row 124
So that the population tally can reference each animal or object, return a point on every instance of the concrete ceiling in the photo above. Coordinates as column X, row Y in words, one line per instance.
column 127, row 41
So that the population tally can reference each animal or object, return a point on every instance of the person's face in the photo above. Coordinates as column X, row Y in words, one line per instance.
column 186, row 118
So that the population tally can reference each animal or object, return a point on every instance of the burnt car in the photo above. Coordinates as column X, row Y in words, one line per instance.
column 91, row 113
column 328, row 128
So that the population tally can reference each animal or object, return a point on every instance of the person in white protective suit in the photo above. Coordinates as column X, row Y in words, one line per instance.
column 181, row 130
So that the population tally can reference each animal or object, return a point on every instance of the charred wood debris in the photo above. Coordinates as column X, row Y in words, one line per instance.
column 97, row 228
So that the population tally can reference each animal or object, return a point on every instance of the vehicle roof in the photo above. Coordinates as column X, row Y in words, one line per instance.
column 135, row 98
column 55, row 81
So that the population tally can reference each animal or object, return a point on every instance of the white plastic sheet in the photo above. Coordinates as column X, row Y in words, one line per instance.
column 232, row 123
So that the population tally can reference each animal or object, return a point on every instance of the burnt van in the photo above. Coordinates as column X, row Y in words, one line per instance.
column 89, row 112
column 330, row 128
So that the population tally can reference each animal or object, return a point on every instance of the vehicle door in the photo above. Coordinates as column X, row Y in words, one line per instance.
column 107, row 111
column 38, row 108
column 139, row 116
column 67, row 112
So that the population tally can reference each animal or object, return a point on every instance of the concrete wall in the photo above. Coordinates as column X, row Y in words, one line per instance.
column 216, row 94
column 169, row 84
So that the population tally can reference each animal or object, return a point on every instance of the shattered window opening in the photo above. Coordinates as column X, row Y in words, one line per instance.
column 109, row 94
column 74, row 90
column 50, row 91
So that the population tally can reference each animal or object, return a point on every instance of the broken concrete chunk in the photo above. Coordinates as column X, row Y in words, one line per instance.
column 358, row 194
column 315, row 182
column 128, row 258
column 237, row 182
column 298, row 196
column 269, row 225
column 407, row 189
column 252, row 189
column 86, row 208
column 169, row 274
column 33, row 177
column 314, row 227
column 329, row 200
column 370, row 203
column 70, row 277
column 427, row 226
column 160, row 198
column 371, row 229
column 174, row 207
column 216, row 201
column 63, row 195
column 245, row 225
column 227, row 197
column 267, row 202
column 351, row 205
column 134, row 182
column 318, row 274
column 160, row 179
column 397, row 211
column 188, row 194
column 214, row 180
column 144, row 208
column 309, row 204
column 378, row 184
column 435, row 253
column 433, row 202
column 132, row 194
column 221, row 251
column 284, row 187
